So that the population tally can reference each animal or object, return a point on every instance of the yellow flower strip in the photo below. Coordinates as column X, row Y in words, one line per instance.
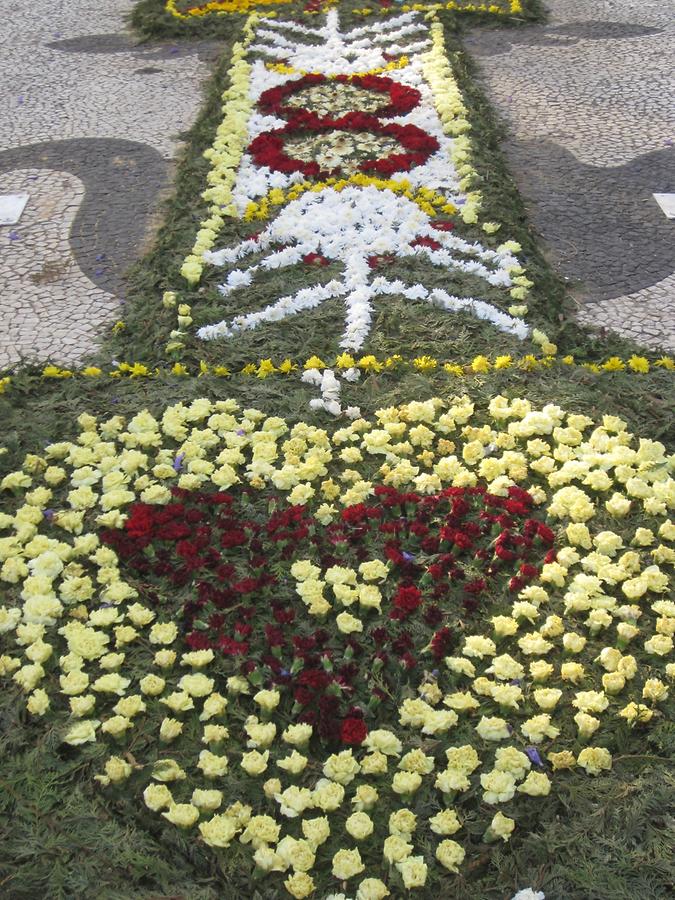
column 263, row 368
column 453, row 115
column 428, row 200
column 515, row 7
column 225, row 154
column 219, row 6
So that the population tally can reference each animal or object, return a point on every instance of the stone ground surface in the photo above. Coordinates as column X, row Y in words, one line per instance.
column 89, row 128
column 588, row 104
column 91, row 124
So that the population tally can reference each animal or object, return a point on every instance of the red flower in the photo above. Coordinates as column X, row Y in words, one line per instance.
column 407, row 599
column 353, row 731
column 441, row 643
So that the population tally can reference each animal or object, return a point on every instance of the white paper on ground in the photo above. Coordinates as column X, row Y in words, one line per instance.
column 667, row 204
column 11, row 207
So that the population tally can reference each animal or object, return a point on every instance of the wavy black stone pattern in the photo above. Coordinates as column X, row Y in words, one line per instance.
column 602, row 224
column 122, row 181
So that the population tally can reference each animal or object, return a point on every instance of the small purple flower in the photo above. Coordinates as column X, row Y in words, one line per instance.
column 515, row 681
column 533, row 755
column 19, row 102
column 100, row 257
column 408, row 557
column 241, row 432
column 106, row 605
column 178, row 462
column 14, row 236
column 99, row 272
column 48, row 514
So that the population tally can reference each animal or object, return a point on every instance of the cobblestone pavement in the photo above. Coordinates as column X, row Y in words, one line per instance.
column 588, row 103
column 89, row 126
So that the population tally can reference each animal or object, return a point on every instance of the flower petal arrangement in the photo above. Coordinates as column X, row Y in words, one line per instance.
column 351, row 583
column 354, row 143
column 343, row 644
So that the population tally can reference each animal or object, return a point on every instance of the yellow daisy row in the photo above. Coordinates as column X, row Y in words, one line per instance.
column 479, row 365
column 515, row 7
column 245, row 6
column 219, row 6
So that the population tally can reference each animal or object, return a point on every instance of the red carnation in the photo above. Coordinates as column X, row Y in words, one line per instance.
column 353, row 731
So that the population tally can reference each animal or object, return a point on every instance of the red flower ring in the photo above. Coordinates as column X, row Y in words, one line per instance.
column 268, row 149
column 223, row 564
column 401, row 98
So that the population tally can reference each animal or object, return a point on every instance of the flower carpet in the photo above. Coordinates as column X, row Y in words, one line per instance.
column 380, row 626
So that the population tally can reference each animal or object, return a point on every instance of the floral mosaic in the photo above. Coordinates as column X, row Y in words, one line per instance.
column 345, row 642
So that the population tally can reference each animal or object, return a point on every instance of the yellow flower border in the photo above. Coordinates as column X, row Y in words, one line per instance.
column 220, row 7
column 453, row 115
column 515, row 7
column 225, row 154
column 264, row 368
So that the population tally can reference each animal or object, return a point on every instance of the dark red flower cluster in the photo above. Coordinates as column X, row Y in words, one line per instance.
column 269, row 148
column 400, row 98
column 221, row 565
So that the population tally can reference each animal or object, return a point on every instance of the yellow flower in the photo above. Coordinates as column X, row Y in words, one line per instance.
column 207, row 799
column 267, row 700
column 346, row 864
column 480, row 364
column 56, row 372
column 536, row 784
column 167, row 770
column 157, row 796
column 299, row 885
column 255, row 763
column 359, row 825
column 562, row 760
column 425, row 363
column 413, row 869
column 266, row 368
column 314, row 362
column 503, row 362
column 638, row 364
column 372, row 889
column 182, row 814
column 218, row 831
column 493, row 729
column 594, row 760
column 501, row 826
column 38, row 703
column 345, row 361
column 370, row 364
column 396, row 848
column 316, row 831
column 82, row 732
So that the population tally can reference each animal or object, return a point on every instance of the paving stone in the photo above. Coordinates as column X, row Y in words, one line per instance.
column 89, row 134
column 587, row 99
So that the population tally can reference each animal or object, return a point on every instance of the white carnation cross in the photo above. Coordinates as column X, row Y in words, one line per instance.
column 349, row 226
